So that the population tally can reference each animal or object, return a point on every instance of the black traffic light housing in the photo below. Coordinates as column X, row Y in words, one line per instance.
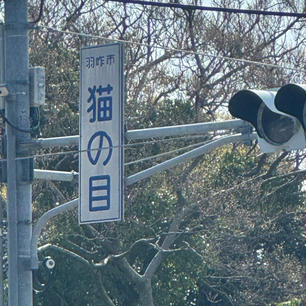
column 278, row 116
column 291, row 99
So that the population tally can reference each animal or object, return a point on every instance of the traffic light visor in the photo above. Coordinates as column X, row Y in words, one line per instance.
column 245, row 105
column 291, row 99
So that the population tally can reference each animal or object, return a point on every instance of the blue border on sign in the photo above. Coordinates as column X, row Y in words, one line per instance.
column 121, row 138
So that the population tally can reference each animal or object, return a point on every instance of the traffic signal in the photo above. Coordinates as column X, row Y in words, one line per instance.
column 278, row 116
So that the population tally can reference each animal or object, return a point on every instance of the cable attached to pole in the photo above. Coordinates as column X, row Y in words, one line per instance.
column 20, row 129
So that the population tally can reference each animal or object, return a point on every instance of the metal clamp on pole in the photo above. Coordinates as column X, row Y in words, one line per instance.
column 27, row 164
column 4, row 90
column 27, row 169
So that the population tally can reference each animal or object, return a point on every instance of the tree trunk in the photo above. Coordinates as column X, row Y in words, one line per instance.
column 145, row 294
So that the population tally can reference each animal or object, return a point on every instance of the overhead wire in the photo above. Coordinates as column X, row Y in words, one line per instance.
column 228, row 58
column 212, row 9
column 52, row 154
column 125, row 146
column 166, row 153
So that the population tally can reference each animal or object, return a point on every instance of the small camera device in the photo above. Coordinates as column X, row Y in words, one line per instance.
column 49, row 263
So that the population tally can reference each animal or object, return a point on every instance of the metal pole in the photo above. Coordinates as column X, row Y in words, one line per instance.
column 42, row 222
column 187, row 156
column 164, row 131
column 65, row 176
column 51, row 175
column 2, row 203
column 186, row 129
column 17, row 110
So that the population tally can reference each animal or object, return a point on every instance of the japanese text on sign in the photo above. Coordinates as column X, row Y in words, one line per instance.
column 101, row 122
column 99, row 61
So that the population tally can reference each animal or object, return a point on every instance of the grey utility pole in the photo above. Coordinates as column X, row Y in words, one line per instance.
column 2, row 203
column 17, row 110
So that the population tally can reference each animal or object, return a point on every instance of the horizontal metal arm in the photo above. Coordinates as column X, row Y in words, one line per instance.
column 187, row 156
column 52, row 175
column 166, row 131
column 186, row 129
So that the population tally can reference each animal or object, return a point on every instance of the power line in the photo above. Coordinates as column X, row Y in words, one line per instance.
column 125, row 146
column 212, row 9
column 165, row 153
column 52, row 154
column 240, row 60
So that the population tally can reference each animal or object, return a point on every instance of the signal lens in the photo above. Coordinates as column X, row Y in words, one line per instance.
column 275, row 128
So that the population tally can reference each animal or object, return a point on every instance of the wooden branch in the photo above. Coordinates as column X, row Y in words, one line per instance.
column 60, row 195
column 66, row 252
column 168, row 241
column 103, row 291
column 279, row 188
column 146, row 241
column 275, row 164
column 259, row 166
column 294, row 173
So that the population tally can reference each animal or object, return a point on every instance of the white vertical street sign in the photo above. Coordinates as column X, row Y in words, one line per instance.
column 101, row 134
